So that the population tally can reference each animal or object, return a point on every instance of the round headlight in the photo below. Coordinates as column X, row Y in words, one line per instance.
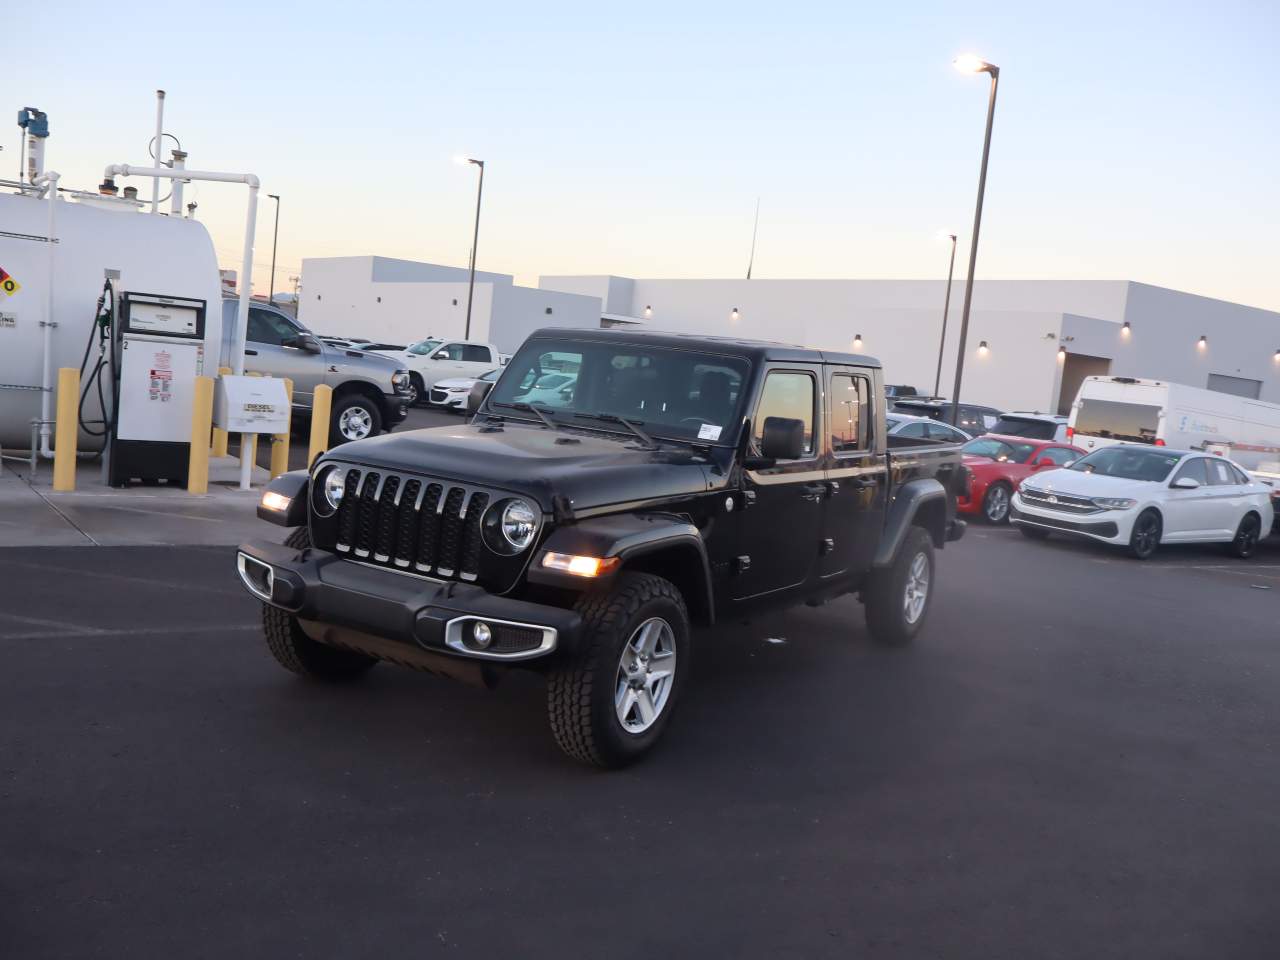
column 519, row 523
column 332, row 489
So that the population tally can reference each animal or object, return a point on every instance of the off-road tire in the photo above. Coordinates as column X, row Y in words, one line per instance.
column 580, row 692
column 297, row 652
column 346, row 402
column 419, row 398
column 1002, row 490
column 1245, row 542
column 885, row 596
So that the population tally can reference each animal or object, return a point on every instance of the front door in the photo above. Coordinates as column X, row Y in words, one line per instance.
column 268, row 351
column 782, row 524
column 857, row 477
column 1190, row 514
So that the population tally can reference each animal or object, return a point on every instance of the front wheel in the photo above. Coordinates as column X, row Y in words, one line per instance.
column 995, row 505
column 610, row 702
column 1145, row 537
column 1247, row 536
column 354, row 417
column 898, row 597
column 417, row 390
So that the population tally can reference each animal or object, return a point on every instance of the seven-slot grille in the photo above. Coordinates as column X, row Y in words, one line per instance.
column 415, row 524
column 1065, row 502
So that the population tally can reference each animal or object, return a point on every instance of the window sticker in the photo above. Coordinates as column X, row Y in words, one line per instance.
column 708, row 431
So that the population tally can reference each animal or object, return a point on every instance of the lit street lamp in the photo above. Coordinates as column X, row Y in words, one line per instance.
column 971, row 64
column 946, row 304
column 275, row 236
column 475, row 240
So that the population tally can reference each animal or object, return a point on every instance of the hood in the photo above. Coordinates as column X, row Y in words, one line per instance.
column 1082, row 484
column 591, row 469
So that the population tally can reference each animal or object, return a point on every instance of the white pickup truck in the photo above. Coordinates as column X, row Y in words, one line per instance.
column 436, row 359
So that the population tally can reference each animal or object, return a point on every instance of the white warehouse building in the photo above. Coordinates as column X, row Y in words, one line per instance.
column 1042, row 337
column 1104, row 327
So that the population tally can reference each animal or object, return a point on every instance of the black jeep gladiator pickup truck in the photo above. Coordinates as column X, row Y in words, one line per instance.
column 585, row 531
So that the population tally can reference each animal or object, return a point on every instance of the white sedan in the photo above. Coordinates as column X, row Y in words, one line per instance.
column 453, row 393
column 1138, row 496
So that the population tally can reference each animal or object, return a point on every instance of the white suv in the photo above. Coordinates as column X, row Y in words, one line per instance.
column 1033, row 425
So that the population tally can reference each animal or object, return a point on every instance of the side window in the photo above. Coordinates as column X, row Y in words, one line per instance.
column 1195, row 469
column 475, row 354
column 942, row 432
column 850, row 413
column 1241, row 477
column 453, row 350
column 1059, row 455
column 788, row 395
column 1220, row 473
column 267, row 327
column 915, row 431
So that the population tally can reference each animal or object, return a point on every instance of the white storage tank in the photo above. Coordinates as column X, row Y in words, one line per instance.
column 155, row 254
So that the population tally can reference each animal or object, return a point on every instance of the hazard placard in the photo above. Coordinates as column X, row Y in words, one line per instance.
column 8, row 285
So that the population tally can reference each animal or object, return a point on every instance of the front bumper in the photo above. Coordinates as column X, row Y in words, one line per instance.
column 452, row 401
column 436, row 617
column 1109, row 526
column 395, row 407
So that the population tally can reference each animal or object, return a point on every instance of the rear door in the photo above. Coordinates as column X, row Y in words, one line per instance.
column 476, row 360
column 857, row 477
column 781, row 531
column 1228, row 497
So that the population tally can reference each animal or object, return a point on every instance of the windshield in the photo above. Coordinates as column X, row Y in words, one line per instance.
column 675, row 394
column 999, row 450
column 1025, row 427
column 1113, row 420
column 423, row 347
column 1128, row 463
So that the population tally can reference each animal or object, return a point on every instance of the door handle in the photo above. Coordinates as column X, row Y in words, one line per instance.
column 813, row 491
column 861, row 483
column 250, row 353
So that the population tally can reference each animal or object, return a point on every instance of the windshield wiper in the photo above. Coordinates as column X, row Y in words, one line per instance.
column 521, row 405
column 632, row 425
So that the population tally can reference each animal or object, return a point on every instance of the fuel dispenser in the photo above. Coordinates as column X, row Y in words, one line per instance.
column 160, row 352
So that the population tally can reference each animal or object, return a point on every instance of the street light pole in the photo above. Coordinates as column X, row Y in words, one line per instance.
column 475, row 240
column 946, row 305
column 275, row 236
column 974, row 65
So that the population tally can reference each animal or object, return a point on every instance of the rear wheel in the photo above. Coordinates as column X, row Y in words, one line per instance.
column 995, row 504
column 1247, row 536
column 610, row 702
column 898, row 597
column 297, row 652
column 354, row 417
column 1145, row 537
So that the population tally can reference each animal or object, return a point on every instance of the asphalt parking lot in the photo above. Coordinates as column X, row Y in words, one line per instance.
column 1076, row 759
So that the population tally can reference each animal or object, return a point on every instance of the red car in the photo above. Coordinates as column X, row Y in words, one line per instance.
column 998, row 464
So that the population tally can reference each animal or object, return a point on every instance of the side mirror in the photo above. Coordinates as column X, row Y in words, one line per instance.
column 1185, row 483
column 309, row 343
column 440, row 355
column 1045, row 462
column 782, row 439
column 479, row 390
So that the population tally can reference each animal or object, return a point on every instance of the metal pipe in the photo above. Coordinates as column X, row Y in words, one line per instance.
column 275, row 238
column 155, row 185
column 475, row 241
column 973, row 246
column 49, row 181
column 946, row 304
column 179, row 163
column 251, row 220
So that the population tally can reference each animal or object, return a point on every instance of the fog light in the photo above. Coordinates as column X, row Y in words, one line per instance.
column 481, row 635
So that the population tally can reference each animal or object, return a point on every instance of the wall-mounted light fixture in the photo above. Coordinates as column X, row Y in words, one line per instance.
column 1276, row 358
column 1125, row 329
column 1062, row 353
column 734, row 314
column 648, row 312
column 857, row 341
column 1203, row 343
column 983, row 349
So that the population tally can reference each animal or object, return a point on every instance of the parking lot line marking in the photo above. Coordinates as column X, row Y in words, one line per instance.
column 85, row 632
column 39, row 622
column 121, row 576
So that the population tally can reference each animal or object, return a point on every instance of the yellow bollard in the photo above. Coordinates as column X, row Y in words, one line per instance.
column 220, row 436
column 280, row 442
column 66, row 430
column 321, row 404
column 201, row 418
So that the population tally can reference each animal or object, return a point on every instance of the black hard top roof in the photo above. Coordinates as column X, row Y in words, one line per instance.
column 758, row 350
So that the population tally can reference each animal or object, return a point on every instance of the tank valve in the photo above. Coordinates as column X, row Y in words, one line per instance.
column 108, row 187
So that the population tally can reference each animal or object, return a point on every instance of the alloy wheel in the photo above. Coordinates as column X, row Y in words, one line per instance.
column 1146, row 535
column 646, row 674
column 997, row 504
column 1247, row 536
column 916, row 594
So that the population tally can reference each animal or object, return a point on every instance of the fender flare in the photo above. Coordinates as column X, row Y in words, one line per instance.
column 909, row 500
column 628, row 537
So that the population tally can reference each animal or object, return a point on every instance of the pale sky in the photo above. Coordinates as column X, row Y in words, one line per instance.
column 1132, row 140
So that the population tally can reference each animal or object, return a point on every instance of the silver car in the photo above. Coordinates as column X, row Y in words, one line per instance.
column 370, row 393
